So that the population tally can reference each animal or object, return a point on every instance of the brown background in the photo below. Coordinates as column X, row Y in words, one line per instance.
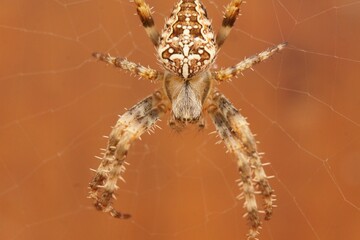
column 56, row 102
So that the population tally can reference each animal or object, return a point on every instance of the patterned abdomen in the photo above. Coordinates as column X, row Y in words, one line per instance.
column 187, row 44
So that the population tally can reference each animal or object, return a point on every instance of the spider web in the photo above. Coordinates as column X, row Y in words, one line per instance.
column 56, row 102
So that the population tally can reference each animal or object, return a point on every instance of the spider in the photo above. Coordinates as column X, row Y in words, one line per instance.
column 186, row 49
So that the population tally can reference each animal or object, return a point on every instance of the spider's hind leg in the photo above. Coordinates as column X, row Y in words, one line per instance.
column 144, row 12
column 231, row 12
column 237, row 137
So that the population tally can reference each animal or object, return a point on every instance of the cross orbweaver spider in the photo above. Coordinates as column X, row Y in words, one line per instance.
column 187, row 48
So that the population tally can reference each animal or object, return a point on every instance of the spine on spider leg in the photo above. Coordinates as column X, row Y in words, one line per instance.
column 234, row 145
column 144, row 12
column 235, row 132
column 134, row 68
column 263, row 185
column 249, row 62
column 231, row 13
column 240, row 126
column 129, row 127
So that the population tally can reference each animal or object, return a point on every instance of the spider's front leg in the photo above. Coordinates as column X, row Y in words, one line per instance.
column 235, row 133
column 227, row 73
column 140, row 118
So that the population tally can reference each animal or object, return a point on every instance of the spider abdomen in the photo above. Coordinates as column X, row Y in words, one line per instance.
column 187, row 44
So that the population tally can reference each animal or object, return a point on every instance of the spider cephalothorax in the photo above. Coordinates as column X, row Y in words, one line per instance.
column 186, row 49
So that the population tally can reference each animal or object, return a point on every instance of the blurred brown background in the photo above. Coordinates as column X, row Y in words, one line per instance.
column 56, row 102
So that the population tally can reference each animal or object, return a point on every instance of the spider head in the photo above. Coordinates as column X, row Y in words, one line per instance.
column 187, row 96
column 187, row 44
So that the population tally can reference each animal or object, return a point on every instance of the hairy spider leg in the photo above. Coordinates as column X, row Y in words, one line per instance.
column 231, row 13
column 134, row 68
column 227, row 73
column 130, row 126
column 234, row 131
column 144, row 12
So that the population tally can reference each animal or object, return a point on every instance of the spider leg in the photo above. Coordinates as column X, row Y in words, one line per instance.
column 144, row 12
column 137, row 69
column 233, row 71
column 140, row 118
column 230, row 15
column 237, row 137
